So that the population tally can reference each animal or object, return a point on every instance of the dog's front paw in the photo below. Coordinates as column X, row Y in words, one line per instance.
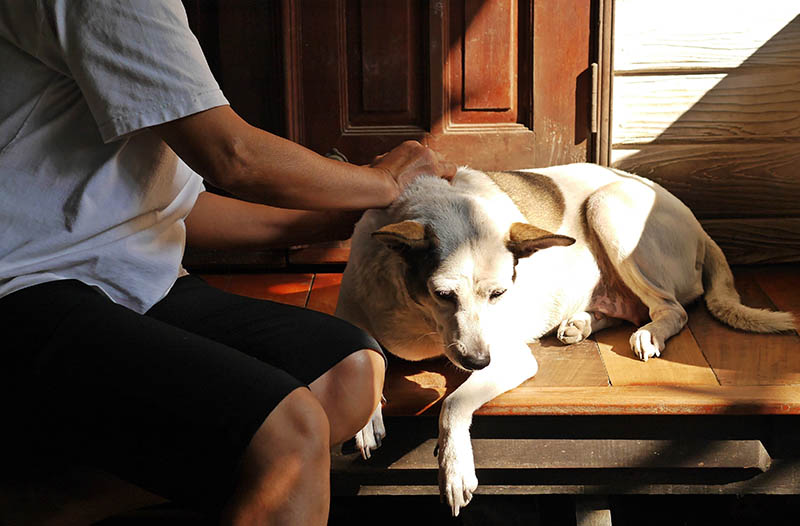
column 575, row 329
column 646, row 345
column 369, row 438
column 457, row 479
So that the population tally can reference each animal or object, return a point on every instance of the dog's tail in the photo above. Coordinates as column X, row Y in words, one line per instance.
column 724, row 303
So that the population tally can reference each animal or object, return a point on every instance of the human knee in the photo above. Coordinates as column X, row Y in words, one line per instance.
column 308, row 420
column 365, row 369
column 289, row 455
column 297, row 430
column 305, row 423
column 350, row 391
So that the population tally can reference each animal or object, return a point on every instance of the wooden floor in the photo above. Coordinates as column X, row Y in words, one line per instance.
column 708, row 368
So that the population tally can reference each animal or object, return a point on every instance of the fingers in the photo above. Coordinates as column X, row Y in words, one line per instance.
column 448, row 169
column 410, row 160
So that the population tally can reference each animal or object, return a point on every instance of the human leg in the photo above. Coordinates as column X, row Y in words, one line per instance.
column 163, row 408
column 350, row 391
column 342, row 365
column 284, row 472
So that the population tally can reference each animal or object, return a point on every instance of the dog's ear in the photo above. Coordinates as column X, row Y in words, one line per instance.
column 406, row 235
column 524, row 240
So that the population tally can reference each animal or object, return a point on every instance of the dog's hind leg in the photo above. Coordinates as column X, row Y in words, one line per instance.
column 648, row 238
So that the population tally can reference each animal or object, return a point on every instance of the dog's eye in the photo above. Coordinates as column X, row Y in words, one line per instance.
column 495, row 295
column 445, row 295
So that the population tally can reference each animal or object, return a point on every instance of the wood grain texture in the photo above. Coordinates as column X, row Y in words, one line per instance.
column 490, row 62
column 522, row 453
column 292, row 289
column 386, row 56
column 742, row 358
column 725, row 180
column 781, row 283
column 475, row 96
column 647, row 400
column 324, row 292
column 415, row 388
column 743, row 105
column 576, row 365
column 681, row 363
column 333, row 252
column 685, row 34
column 747, row 241
column 562, row 38
column 708, row 105
column 211, row 261
column 760, row 374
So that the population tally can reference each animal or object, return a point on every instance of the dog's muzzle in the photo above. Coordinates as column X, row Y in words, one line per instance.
column 474, row 363
column 469, row 360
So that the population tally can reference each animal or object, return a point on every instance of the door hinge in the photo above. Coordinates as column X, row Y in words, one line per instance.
column 595, row 99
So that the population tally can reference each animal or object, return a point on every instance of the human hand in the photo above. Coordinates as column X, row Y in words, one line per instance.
column 409, row 160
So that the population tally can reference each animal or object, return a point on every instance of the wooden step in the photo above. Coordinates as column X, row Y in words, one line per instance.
column 708, row 368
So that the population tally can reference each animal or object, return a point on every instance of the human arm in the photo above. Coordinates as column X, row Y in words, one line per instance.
column 257, row 166
column 219, row 222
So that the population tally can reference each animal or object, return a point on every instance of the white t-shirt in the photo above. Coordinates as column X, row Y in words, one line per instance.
column 85, row 192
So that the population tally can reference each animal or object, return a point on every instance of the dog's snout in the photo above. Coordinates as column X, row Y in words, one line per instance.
column 475, row 363
column 471, row 358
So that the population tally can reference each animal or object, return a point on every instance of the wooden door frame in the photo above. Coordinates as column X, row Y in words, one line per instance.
column 603, row 82
column 597, row 146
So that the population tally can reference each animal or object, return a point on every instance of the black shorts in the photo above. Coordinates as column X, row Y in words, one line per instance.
column 168, row 400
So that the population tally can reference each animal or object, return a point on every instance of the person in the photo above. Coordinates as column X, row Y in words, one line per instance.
column 110, row 122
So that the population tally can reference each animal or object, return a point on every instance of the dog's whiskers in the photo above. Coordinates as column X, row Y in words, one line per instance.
column 423, row 336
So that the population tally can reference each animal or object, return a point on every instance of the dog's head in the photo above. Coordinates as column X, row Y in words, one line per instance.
column 461, row 278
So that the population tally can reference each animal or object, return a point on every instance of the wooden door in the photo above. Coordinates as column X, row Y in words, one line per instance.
column 496, row 84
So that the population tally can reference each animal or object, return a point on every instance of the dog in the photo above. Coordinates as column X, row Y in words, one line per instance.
column 477, row 268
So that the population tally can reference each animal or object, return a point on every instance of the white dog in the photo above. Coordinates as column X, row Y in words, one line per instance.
column 478, row 268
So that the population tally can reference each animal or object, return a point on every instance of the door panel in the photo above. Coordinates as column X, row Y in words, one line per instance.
column 496, row 84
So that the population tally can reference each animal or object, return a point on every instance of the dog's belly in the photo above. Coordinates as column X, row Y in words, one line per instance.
column 614, row 299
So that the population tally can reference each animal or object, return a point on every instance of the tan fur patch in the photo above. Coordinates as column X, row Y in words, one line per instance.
column 536, row 196
column 525, row 239
column 410, row 234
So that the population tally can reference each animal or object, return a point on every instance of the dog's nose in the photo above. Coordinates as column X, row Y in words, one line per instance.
column 475, row 363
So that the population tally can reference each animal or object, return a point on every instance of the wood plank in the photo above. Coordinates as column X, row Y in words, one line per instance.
column 562, row 39
column 550, row 453
column 490, row 62
column 329, row 253
column 592, row 510
column 387, row 56
column 325, row 292
column 415, row 388
column 781, row 479
column 781, row 283
column 740, row 358
column 762, row 240
column 681, row 363
column 291, row 289
column 647, row 400
column 749, row 105
column 685, row 34
column 218, row 261
column 724, row 180
column 576, row 365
